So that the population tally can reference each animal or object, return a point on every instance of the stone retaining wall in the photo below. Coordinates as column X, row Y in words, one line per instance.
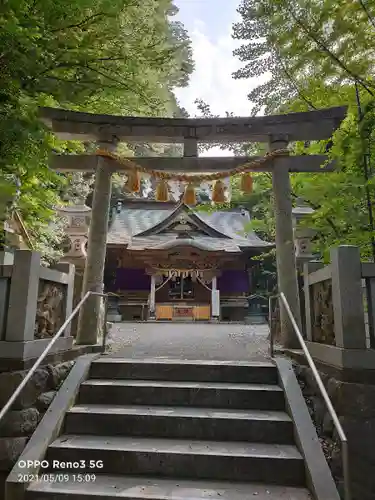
column 355, row 406
column 20, row 422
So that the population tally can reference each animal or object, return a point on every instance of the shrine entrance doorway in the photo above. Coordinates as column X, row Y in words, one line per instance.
column 185, row 295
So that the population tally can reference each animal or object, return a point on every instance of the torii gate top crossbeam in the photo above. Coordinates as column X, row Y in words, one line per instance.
column 311, row 125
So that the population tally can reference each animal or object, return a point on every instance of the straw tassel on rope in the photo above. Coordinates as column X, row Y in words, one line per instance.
column 162, row 193
column 246, row 183
column 189, row 195
column 134, row 181
column 218, row 194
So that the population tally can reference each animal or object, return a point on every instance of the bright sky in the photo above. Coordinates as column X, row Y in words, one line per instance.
column 209, row 23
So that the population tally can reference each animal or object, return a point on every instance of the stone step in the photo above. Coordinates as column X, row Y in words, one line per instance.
column 184, row 370
column 145, row 488
column 181, row 422
column 197, row 394
column 252, row 462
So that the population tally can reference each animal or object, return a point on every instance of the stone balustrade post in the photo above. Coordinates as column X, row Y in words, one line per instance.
column 68, row 269
column 23, row 296
column 347, row 297
column 6, row 259
column 24, row 276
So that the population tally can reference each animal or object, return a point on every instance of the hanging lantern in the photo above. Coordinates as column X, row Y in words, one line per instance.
column 162, row 193
column 246, row 183
column 133, row 182
column 218, row 193
column 189, row 195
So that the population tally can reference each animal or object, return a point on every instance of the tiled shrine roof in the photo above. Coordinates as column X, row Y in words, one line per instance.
column 143, row 228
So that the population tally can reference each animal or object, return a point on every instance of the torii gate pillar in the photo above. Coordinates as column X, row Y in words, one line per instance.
column 90, row 318
column 285, row 253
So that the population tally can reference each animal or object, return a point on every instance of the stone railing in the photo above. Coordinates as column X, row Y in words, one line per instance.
column 34, row 303
column 340, row 325
column 335, row 310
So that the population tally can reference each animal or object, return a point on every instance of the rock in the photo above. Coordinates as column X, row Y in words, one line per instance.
column 362, row 477
column 311, row 387
column 45, row 400
column 352, row 399
column 361, row 436
column 336, row 462
column 20, row 423
column 355, row 405
column 58, row 373
column 328, row 426
column 301, row 371
column 359, row 490
column 332, row 388
column 319, row 410
column 10, row 450
column 3, row 478
column 9, row 382
column 296, row 367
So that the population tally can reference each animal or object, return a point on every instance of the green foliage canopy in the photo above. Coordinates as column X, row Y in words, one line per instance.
column 310, row 55
column 293, row 43
column 108, row 56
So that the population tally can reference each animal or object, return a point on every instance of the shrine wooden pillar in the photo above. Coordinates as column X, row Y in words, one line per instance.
column 285, row 252
column 215, row 300
column 152, row 297
column 90, row 321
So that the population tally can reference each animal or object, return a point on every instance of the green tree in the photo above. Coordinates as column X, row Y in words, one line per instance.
column 293, row 42
column 338, row 198
column 314, row 53
column 118, row 56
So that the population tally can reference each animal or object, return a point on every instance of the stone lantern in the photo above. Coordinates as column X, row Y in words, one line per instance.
column 302, row 234
column 78, row 221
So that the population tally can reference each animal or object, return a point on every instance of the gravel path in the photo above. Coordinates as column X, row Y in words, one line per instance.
column 189, row 341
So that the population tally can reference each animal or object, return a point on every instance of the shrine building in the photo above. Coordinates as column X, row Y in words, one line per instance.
column 167, row 261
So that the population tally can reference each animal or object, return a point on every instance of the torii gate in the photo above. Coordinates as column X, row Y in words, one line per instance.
column 277, row 131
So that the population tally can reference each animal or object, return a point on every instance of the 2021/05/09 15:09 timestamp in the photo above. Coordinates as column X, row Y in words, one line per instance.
column 56, row 478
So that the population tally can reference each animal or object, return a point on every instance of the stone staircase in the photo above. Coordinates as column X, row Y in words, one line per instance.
column 177, row 430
